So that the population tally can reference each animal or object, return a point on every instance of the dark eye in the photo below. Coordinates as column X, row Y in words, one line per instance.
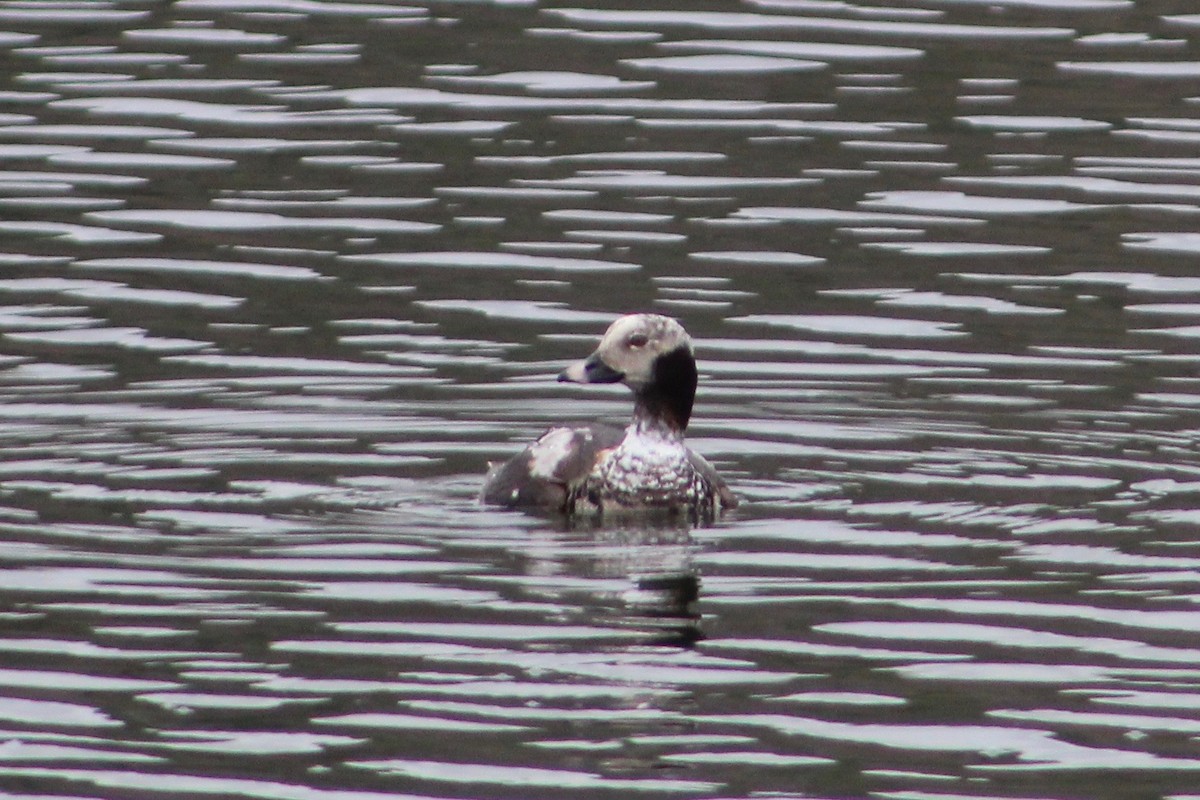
column 637, row 340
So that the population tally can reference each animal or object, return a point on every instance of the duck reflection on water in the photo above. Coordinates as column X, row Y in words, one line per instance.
column 638, row 576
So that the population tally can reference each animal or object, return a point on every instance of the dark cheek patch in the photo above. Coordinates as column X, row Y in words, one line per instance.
column 675, row 383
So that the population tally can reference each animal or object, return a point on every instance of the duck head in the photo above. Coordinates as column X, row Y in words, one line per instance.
column 652, row 355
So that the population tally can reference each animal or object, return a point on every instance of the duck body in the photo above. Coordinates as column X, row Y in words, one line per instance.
column 602, row 470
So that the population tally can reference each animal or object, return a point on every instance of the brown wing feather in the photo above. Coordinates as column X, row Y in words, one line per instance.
column 542, row 475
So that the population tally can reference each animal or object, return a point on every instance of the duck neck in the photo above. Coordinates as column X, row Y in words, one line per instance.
column 664, row 406
column 653, row 418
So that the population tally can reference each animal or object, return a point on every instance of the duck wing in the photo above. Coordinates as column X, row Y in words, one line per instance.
column 544, row 473
column 724, row 494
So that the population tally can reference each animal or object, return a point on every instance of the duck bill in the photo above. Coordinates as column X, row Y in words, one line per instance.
column 590, row 370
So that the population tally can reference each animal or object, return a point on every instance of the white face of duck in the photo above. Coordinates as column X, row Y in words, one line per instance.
column 628, row 351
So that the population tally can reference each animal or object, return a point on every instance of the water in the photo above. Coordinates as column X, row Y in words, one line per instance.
column 278, row 279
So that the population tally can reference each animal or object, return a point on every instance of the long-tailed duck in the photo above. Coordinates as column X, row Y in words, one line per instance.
column 598, row 469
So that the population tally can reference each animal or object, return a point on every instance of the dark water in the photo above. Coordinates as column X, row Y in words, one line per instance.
column 279, row 277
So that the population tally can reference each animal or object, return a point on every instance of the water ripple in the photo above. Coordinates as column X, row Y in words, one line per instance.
column 281, row 277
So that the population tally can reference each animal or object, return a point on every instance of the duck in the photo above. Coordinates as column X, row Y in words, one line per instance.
column 601, row 470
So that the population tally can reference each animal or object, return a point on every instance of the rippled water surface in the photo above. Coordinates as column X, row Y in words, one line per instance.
column 278, row 278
